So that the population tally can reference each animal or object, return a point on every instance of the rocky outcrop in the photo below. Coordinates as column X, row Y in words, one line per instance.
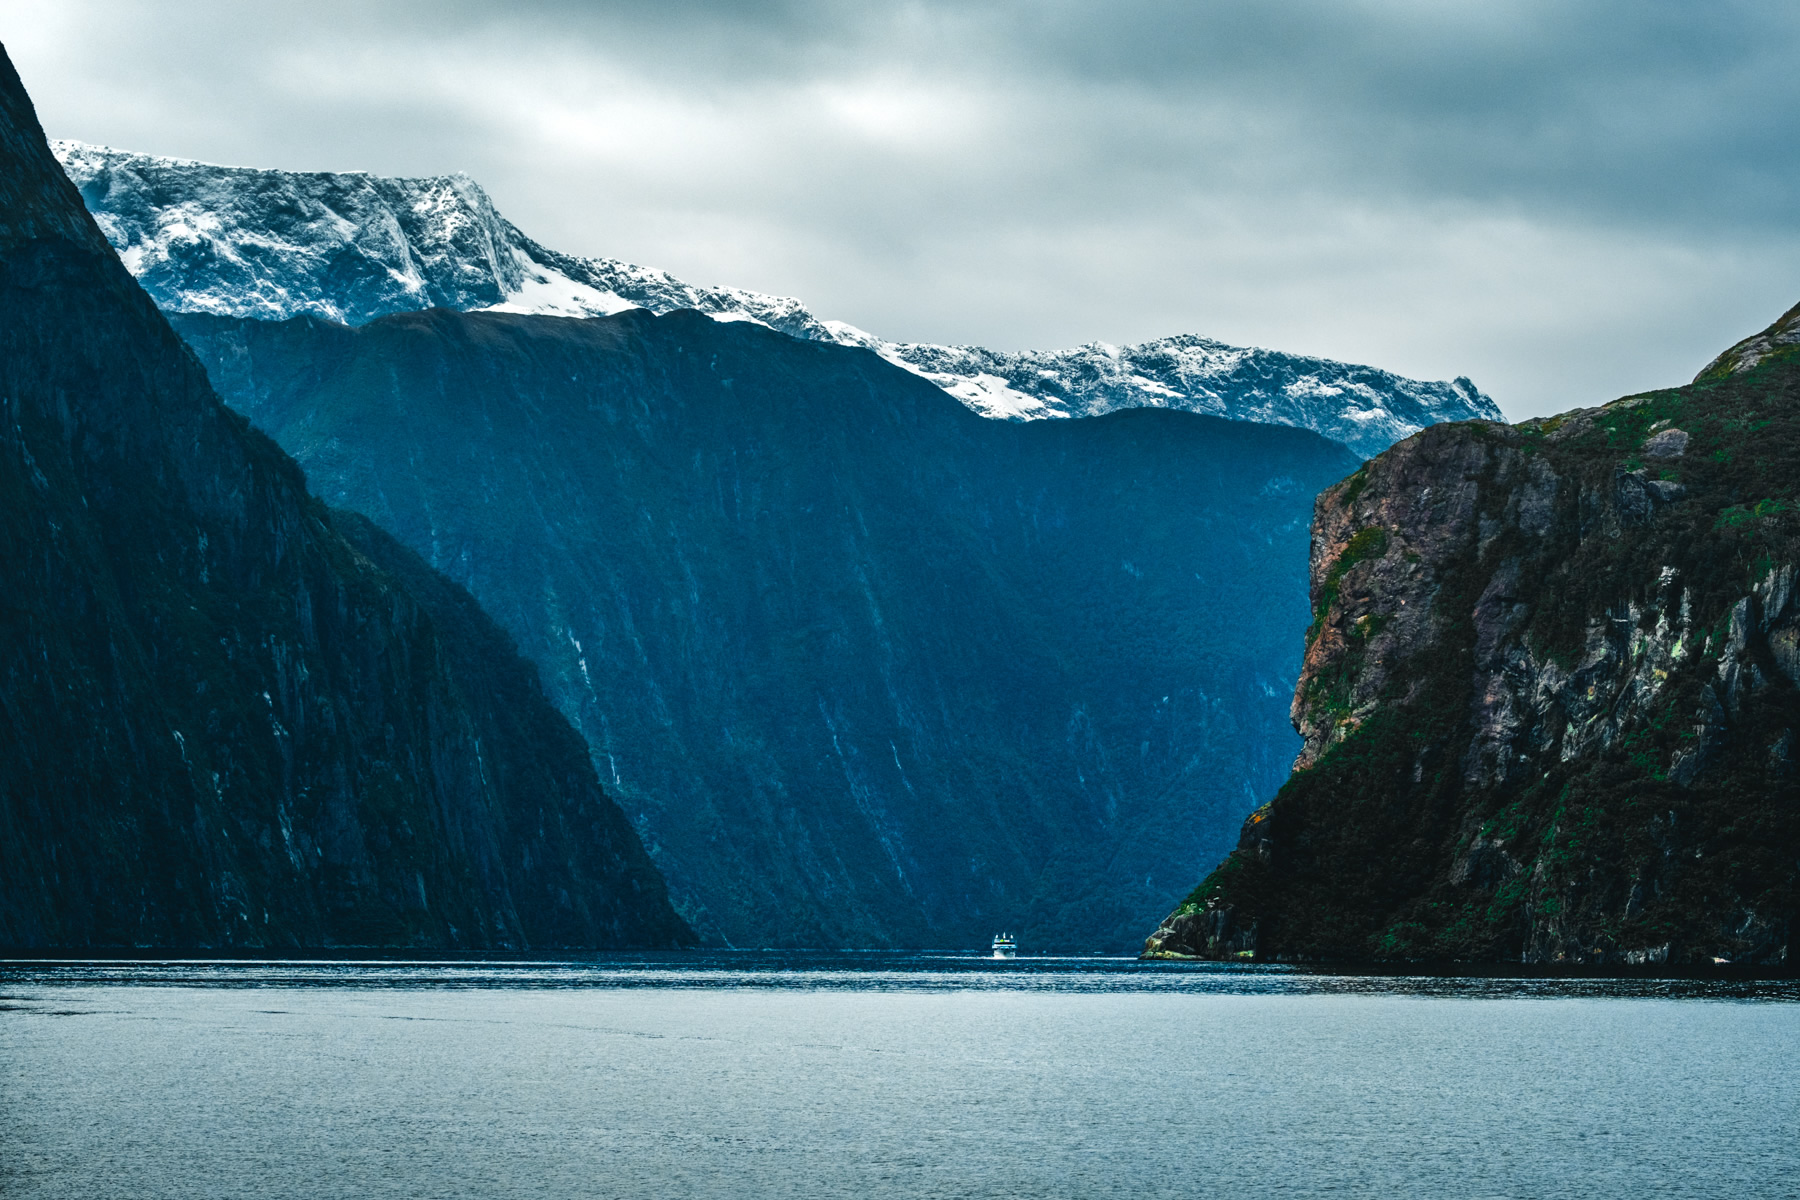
column 1782, row 339
column 1549, row 699
column 229, row 717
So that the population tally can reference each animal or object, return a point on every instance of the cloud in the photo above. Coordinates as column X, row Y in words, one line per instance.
column 1567, row 201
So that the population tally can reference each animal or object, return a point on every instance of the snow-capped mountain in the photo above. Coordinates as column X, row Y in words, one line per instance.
column 351, row 247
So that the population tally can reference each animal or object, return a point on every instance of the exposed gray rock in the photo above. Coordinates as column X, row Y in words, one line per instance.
column 1781, row 338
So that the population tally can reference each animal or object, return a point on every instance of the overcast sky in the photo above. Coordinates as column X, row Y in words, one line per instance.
column 1565, row 200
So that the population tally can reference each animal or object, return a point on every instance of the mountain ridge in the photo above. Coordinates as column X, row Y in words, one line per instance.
column 351, row 246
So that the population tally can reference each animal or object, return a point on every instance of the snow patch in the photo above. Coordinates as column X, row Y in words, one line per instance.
column 990, row 395
column 551, row 293
column 1157, row 388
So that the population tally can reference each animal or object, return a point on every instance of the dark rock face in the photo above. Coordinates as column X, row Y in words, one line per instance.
column 1548, row 699
column 222, row 721
column 865, row 668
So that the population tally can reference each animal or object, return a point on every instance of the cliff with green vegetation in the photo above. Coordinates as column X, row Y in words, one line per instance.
column 228, row 716
column 1549, row 698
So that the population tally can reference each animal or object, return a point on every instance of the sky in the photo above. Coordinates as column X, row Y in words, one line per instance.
column 1566, row 200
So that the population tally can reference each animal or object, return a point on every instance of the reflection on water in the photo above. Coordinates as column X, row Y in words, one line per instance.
column 822, row 1075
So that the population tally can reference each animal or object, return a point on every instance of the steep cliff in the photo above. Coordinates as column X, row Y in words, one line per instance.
column 865, row 668
column 1549, row 698
column 222, row 722
column 238, row 241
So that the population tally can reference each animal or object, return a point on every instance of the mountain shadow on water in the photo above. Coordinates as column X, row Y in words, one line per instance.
column 223, row 722
column 864, row 668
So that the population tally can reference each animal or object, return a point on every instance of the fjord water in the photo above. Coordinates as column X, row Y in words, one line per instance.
column 820, row 1075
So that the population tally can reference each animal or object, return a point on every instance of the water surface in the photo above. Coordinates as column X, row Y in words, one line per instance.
column 881, row 1075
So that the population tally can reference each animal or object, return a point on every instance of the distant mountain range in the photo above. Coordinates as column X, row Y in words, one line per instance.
column 863, row 666
column 236, row 241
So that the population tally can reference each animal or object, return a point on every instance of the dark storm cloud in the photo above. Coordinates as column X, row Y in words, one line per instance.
column 1639, row 110
column 1566, row 200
